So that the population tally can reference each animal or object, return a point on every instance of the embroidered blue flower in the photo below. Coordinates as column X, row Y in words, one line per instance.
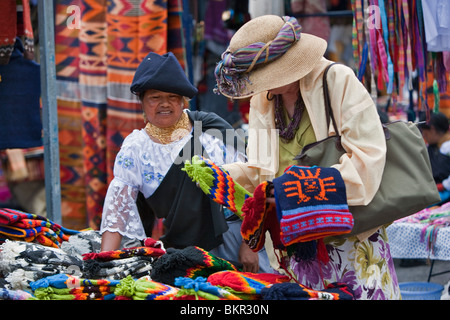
column 149, row 176
column 125, row 162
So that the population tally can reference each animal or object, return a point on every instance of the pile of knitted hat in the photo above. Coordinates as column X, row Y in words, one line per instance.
column 18, row 225
column 190, row 262
column 118, row 264
column 70, row 287
column 24, row 262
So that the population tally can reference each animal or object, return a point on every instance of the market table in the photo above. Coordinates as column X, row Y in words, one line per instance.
column 424, row 235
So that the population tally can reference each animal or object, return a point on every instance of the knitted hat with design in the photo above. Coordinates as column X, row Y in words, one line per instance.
column 217, row 184
column 311, row 204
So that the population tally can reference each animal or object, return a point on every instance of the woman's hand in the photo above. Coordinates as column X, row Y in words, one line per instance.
column 110, row 241
column 248, row 258
column 270, row 195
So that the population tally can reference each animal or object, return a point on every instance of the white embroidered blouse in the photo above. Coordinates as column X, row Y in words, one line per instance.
column 141, row 165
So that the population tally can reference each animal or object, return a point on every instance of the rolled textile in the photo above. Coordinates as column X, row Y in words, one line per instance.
column 137, row 267
column 66, row 281
column 19, row 225
column 24, row 262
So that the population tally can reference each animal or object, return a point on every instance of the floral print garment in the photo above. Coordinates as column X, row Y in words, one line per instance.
column 367, row 267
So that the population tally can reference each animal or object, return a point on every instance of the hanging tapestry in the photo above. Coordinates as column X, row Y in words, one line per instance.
column 390, row 50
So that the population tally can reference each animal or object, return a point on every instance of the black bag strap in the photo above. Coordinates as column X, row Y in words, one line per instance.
column 326, row 95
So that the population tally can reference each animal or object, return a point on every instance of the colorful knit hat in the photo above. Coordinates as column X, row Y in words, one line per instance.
column 311, row 204
column 190, row 262
column 259, row 217
column 246, row 285
column 217, row 183
column 200, row 289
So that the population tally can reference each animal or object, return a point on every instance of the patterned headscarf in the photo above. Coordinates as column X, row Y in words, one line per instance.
column 232, row 71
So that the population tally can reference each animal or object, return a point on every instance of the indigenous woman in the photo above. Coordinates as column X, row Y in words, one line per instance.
column 148, row 181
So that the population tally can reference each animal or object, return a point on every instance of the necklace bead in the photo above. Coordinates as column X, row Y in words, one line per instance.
column 172, row 133
column 287, row 132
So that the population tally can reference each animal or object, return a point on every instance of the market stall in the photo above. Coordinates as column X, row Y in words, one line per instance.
column 424, row 235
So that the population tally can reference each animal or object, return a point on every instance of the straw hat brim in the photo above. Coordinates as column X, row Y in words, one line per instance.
column 293, row 65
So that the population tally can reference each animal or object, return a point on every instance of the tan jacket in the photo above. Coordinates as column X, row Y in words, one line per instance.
column 358, row 122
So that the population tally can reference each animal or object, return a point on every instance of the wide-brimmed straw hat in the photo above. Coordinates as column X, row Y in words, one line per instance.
column 296, row 62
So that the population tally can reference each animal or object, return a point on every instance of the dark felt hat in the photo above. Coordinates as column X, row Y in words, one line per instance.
column 163, row 73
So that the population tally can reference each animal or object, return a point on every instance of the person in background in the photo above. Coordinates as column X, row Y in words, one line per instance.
column 437, row 136
column 149, row 183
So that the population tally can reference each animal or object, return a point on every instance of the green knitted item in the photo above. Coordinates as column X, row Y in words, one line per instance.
column 217, row 184
column 144, row 289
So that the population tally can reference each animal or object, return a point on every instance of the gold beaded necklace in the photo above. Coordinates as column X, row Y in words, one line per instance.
column 172, row 133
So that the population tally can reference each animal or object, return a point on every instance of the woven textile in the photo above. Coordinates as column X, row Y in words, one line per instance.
column 67, row 51
column 217, row 184
column 389, row 40
column 124, row 253
column 19, row 225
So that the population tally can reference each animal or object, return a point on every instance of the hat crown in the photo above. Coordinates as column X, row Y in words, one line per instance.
column 164, row 73
column 260, row 29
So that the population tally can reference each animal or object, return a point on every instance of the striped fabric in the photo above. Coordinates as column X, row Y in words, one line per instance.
column 217, row 184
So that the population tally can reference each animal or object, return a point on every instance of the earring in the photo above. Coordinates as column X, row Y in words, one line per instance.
column 268, row 97
column 145, row 117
